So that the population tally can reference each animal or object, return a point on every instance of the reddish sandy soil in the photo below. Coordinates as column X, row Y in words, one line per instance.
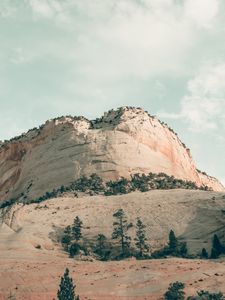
column 33, row 274
column 37, row 278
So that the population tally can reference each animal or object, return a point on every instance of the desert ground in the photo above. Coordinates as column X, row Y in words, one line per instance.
column 38, row 277
column 32, row 261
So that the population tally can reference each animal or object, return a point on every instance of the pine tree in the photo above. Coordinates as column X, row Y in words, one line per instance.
column 67, row 288
column 76, row 229
column 120, row 231
column 141, row 238
column 183, row 249
column 216, row 244
column 175, row 291
column 74, row 249
column 204, row 253
column 101, row 245
column 214, row 253
column 173, row 243
column 67, row 237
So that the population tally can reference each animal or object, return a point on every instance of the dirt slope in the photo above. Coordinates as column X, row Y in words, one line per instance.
column 34, row 273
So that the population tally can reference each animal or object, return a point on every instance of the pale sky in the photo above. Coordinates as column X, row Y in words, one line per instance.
column 84, row 57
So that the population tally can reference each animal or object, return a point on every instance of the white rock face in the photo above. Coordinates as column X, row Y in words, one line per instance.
column 121, row 143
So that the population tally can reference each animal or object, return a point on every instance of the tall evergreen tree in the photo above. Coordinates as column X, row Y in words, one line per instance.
column 101, row 245
column 216, row 244
column 67, row 288
column 67, row 237
column 183, row 249
column 214, row 253
column 173, row 243
column 77, row 229
column 120, row 231
column 141, row 238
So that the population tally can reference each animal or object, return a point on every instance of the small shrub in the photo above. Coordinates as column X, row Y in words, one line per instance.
column 102, row 247
column 175, row 291
column 205, row 295
column 74, row 249
column 204, row 254
column 7, row 203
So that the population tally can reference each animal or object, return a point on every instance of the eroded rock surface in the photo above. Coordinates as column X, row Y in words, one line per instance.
column 121, row 143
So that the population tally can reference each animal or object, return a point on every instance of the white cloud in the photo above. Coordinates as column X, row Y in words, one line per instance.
column 42, row 7
column 203, row 108
column 46, row 8
column 203, row 12
column 130, row 39
column 113, row 40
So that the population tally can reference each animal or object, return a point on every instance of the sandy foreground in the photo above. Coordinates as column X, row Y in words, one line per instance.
column 34, row 274
column 37, row 278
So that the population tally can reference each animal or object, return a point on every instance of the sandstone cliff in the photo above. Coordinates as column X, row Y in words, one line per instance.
column 121, row 143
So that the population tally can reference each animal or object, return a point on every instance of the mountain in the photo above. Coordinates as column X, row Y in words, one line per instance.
column 120, row 143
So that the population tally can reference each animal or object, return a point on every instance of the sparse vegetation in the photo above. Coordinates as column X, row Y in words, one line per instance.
column 71, row 238
column 76, row 229
column 67, row 288
column 204, row 254
column 121, row 186
column 217, row 247
column 66, row 238
column 173, row 243
column 7, row 203
column 120, row 245
column 120, row 232
column 141, row 240
column 205, row 295
column 94, row 185
column 175, row 291
column 174, row 248
column 102, row 247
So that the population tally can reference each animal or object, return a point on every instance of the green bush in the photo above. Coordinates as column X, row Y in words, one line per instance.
column 205, row 295
column 175, row 291
column 102, row 247
column 95, row 185
column 204, row 254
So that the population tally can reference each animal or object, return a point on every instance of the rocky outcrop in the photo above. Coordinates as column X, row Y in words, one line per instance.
column 121, row 143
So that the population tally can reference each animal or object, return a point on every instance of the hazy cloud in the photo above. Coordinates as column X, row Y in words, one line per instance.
column 203, row 12
column 45, row 8
column 204, row 105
